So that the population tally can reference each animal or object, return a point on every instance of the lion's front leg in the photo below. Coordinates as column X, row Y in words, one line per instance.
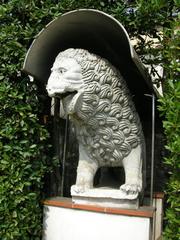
column 133, row 174
column 85, row 173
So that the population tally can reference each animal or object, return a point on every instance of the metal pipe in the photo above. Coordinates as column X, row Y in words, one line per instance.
column 152, row 160
column 64, row 155
column 152, row 149
column 152, row 145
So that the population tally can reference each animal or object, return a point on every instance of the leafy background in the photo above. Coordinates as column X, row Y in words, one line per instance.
column 25, row 152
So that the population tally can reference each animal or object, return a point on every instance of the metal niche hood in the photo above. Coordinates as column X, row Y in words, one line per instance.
column 95, row 31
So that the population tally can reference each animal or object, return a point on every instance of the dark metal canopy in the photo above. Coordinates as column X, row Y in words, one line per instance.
column 92, row 30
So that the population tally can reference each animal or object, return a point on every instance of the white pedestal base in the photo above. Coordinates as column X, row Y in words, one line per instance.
column 104, row 197
column 64, row 220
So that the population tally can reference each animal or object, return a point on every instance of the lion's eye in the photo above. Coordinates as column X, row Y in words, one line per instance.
column 61, row 70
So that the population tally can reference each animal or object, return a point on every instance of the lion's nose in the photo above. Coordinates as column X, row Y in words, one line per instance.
column 49, row 90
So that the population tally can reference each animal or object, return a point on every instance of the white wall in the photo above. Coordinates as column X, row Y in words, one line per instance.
column 72, row 224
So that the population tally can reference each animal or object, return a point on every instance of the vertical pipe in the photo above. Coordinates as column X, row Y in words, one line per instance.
column 64, row 155
column 152, row 161
column 55, row 176
column 152, row 149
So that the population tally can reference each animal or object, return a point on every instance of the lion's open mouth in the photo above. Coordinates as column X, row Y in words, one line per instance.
column 63, row 95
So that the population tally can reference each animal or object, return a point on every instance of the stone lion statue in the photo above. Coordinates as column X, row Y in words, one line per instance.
column 95, row 96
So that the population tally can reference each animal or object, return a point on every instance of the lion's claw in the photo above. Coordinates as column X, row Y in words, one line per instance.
column 130, row 188
column 79, row 188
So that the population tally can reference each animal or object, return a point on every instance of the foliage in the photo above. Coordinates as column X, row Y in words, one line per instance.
column 170, row 106
column 22, row 162
column 23, row 146
column 23, row 140
column 170, row 109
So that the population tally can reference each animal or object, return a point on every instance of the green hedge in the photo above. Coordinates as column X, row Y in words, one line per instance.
column 24, row 149
column 170, row 106
column 170, row 109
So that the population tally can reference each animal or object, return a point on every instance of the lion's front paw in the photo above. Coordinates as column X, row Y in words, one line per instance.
column 79, row 189
column 130, row 191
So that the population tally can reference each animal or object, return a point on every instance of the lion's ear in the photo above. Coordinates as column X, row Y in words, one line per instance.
column 75, row 103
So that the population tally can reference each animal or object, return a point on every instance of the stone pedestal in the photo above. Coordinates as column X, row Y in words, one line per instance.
column 65, row 220
column 104, row 197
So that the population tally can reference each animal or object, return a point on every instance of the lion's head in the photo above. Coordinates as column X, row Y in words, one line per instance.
column 76, row 73
column 67, row 76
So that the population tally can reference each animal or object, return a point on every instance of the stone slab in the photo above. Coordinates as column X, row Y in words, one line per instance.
column 104, row 197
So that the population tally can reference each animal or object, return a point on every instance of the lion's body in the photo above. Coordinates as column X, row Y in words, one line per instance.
column 100, row 105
